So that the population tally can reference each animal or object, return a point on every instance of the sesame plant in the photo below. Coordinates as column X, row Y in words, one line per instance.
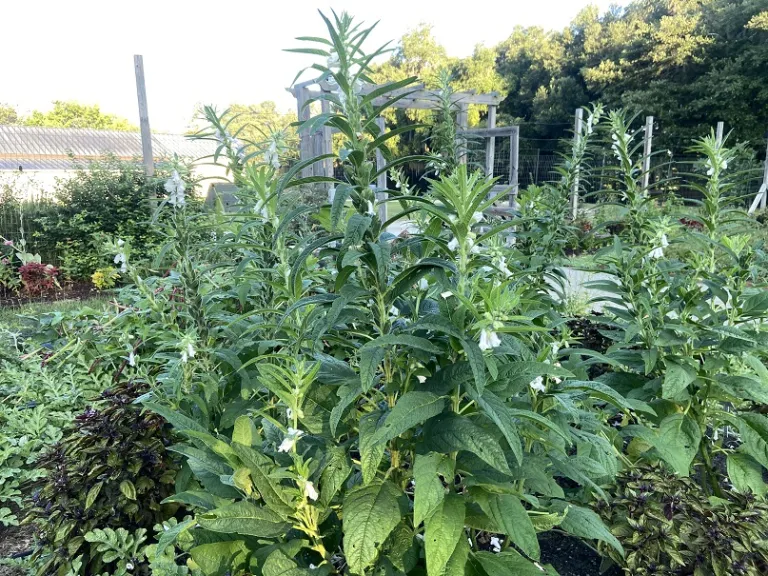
column 396, row 404
column 688, row 332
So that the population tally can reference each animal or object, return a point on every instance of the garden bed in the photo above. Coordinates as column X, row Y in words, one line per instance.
column 75, row 292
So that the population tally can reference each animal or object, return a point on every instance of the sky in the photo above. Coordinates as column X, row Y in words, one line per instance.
column 206, row 52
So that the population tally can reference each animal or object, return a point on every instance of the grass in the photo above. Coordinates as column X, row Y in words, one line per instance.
column 18, row 319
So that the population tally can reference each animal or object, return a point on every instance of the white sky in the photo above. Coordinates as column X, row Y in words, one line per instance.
column 214, row 52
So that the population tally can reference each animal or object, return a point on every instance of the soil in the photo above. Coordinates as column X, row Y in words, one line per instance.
column 571, row 557
column 77, row 291
column 14, row 540
column 588, row 333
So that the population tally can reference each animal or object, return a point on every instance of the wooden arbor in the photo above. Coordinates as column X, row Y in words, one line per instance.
column 319, row 142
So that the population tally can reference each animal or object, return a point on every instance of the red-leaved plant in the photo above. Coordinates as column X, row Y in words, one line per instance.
column 38, row 278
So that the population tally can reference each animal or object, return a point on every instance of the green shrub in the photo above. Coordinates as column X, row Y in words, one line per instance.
column 111, row 471
column 669, row 526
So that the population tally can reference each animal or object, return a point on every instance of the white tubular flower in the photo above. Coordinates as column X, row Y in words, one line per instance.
column 394, row 311
column 473, row 249
column 289, row 413
column 120, row 258
column 175, row 188
column 357, row 87
column 262, row 210
column 187, row 352
column 131, row 359
column 120, row 243
column 495, row 544
column 502, row 266
column 423, row 284
column 453, row 245
column 290, row 440
column 333, row 62
column 447, row 294
column 537, row 384
column 477, row 217
column 371, row 210
column 664, row 241
column 656, row 253
column 421, row 379
column 309, row 491
column 489, row 339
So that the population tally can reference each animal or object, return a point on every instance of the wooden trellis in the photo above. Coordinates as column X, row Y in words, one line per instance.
column 319, row 142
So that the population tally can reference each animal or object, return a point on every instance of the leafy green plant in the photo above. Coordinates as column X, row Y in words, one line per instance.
column 669, row 526
column 111, row 471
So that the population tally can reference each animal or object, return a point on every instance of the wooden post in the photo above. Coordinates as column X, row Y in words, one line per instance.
column 514, row 159
column 719, row 133
column 381, row 179
column 490, row 147
column 146, row 134
column 577, row 127
column 462, row 119
column 327, row 146
column 647, row 148
column 305, row 138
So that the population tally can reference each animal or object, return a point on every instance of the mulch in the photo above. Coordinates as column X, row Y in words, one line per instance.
column 75, row 291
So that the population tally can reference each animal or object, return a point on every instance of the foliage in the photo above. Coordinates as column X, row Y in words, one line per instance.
column 36, row 404
column 8, row 114
column 75, row 115
column 105, row 198
column 110, row 472
column 668, row 525
column 105, row 278
column 38, row 278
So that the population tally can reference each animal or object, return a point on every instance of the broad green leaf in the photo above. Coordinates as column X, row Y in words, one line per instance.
column 370, row 513
column 442, row 531
column 278, row 564
column 677, row 441
column 219, row 558
column 340, row 196
column 196, row 498
column 245, row 432
column 128, row 489
column 428, row 490
column 584, row 523
column 370, row 453
column 348, row 395
column 271, row 492
column 335, row 472
column 743, row 387
column 497, row 411
column 370, row 358
column 507, row 563
column 356, row 228
column 411, row 408
column 745, row 474
column 93, row 493
column 507, row 512
column 246, row 519
column 178, row 420
column 676, row 379
column 755, row 305
column 754, row 435
column 450, row 432
column 457, row 563
column 607, row 394
column 476, row 361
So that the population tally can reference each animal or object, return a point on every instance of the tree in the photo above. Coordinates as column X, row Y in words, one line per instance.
column 74, row 115
column 8, row 115
column 256, row 121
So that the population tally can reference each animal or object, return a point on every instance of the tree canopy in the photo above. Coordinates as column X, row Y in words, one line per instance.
column 689, row 63
column 75, row 115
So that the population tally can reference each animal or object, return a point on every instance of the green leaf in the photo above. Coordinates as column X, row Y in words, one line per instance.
column 245, row 432
column 497, row 411
column 428, row 490
column 442, row 532
column 169, row 536
column 607, row 394
column 411, row 408
column 745, row 474
column 174, row 418
column 507, row 512
column 676, row 441
column 343, row 191
column 584, row 523
column 372, row 353
column 128, row 489
column 754, row 435
column 370, row 513
column 370, row 454
column 755, row 305
column 271, row 492
column 219, row 558
column 356, row 229
column 507, row 563
column 279, row 564
column 450, row 432
column 196, row 498
column 676, row 379
column 246, row 519
column 93, row 493
column 743, row 387
column 336, row 470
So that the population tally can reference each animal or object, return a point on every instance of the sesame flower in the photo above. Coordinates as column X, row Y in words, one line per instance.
column 537, row 384
column 495, row 544
column 711, row 168
column 371, row 211
column 421, row 379
column 333, row 62
column 477, row 217
column 175, row 188
column 453, row 244
column 656, row 253
column 290, row 440
column 501, row 264
column 394, row 311
column 120, row 243
column 289, row 413
column 664, row 241
column 271, row 156
column 489, row 339
column 131, row 359
column 309, row 491
column 122, row 259
column 187, row 352
column 423, row 284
